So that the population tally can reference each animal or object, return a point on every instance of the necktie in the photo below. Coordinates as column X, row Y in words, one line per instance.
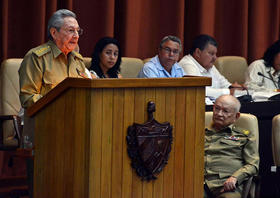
column 278, row 82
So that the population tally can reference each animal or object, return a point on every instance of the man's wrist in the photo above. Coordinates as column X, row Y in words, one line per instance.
column 236, row 183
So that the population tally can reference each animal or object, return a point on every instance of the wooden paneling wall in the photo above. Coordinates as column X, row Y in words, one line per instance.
column 81, row 151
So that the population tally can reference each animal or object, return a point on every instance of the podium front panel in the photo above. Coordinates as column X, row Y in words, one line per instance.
column 81, row 149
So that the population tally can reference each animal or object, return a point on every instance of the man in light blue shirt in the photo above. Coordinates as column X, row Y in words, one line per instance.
column 164, row 64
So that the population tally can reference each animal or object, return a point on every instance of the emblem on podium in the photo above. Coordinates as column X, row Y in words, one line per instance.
column 149, row 145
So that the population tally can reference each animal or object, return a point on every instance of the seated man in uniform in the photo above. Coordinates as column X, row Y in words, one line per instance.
column 200, row 62
column 231, row 154
column 164, row 64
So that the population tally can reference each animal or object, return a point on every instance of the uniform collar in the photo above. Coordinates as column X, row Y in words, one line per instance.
column 56, row 51
column 226, row 129
column 160, row 67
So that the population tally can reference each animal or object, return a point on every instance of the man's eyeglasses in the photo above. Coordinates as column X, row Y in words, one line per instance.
column 168, row 50
column 73, row 31
column 223, row 110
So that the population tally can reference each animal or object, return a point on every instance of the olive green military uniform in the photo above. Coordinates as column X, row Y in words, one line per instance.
column 43, row 68
column 229, row 152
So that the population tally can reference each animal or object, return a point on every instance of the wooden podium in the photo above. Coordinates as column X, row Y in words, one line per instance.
column 80, row 138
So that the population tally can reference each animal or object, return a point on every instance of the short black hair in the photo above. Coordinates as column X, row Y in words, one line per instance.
column 270, row 54
column 202, row 41
column 95, row 61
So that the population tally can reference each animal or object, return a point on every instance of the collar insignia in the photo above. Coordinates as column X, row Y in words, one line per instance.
column 246, row 132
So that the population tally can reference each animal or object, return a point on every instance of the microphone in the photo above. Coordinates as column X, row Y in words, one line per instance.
column 244, row 98
column 277, row 96
column 261, row 74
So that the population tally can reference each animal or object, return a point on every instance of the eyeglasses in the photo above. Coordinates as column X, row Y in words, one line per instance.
column 168, row 50
column 223, row 110
column 74, row 31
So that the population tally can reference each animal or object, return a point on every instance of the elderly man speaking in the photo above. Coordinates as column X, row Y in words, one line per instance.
column 47, row 65
column 231, row 154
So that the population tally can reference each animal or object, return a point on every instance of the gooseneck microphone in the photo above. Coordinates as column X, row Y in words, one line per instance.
column 274, row 97
column 244, row 98
column 261, row 74
column 275, row 82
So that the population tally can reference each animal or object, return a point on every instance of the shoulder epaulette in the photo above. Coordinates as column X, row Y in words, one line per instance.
column 240, row 130
column 42, row 50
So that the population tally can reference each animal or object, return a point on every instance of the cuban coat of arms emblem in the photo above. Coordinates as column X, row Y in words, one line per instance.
column 149, row 145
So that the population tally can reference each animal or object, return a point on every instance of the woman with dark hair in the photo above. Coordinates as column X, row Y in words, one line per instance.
column 106, row 58
column 264, row 74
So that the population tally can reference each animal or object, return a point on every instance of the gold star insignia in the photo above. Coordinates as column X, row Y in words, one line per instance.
column 246, row 132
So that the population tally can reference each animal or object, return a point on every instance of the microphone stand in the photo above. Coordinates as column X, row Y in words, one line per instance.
column 277, row 96
column 270, row 78
column 244, row 98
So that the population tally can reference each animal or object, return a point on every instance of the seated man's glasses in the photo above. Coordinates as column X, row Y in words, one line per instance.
column 223, row 110
column 169, row 51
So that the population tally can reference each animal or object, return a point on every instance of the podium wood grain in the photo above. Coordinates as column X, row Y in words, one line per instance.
column 80, row 138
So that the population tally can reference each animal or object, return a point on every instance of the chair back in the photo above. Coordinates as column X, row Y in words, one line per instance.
column 233, row 68
column 9, row 96
column 146, row 60
column 9, row 86
column 276, row 139
column 130, row 67
column 87, row 61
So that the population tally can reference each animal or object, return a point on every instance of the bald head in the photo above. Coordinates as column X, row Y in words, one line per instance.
column 231, row 101
column 225, row 111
